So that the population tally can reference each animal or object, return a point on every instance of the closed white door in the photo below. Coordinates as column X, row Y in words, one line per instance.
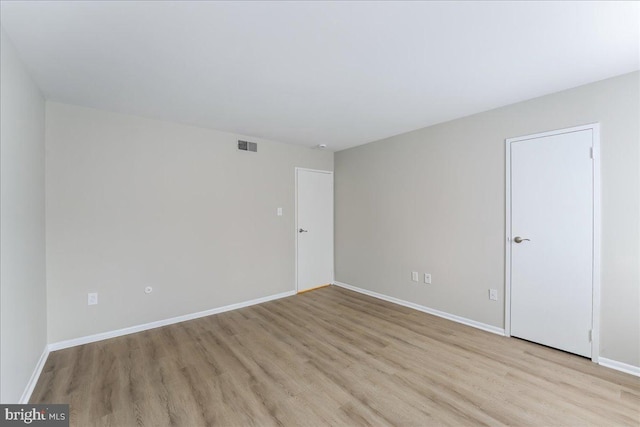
column 552, row 239
column 314, row 228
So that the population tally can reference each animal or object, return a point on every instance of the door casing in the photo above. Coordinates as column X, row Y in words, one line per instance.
column 595, row 328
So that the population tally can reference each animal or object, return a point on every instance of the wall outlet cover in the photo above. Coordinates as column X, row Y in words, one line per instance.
column 92, row 298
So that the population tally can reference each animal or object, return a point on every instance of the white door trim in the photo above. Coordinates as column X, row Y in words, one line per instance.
column 595, row 327
column 295, row 230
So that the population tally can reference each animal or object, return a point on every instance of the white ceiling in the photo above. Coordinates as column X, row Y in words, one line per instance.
column 337, row 73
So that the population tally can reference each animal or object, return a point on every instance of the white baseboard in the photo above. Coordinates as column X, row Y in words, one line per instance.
column 152, row 325
column 619, row 366
column 453, row 317
column 26, row 395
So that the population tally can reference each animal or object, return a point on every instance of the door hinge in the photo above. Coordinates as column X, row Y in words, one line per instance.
column 591, row 152
column 590, row 335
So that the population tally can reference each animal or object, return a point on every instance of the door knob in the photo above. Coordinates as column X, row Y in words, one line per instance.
column 519, row 239
column 302, row 231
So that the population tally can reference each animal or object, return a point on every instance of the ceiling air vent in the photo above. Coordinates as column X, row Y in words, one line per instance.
column 247, row 146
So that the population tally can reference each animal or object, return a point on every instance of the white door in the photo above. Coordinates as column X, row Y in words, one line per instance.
column 552, row 238
column 314, row 228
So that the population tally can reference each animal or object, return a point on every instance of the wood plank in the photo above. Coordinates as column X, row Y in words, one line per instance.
column 331, row 357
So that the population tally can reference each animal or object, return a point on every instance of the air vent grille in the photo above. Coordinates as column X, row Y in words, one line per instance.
column 247, row 146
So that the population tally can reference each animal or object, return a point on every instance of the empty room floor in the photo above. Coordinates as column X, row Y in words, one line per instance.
column 331, row 357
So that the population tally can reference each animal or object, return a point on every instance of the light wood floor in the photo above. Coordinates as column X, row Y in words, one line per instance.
column 331, row 357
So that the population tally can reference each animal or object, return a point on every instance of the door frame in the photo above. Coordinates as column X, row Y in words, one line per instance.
column 295, row 175
column 596, row 211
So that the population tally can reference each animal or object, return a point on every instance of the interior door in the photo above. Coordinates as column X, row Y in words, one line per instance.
column 314, row 228
column 552, row 236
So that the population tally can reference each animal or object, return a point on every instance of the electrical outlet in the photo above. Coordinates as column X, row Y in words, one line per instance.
column 92, row 298
column 427, row 278
column 493, row 294
column 414, row 276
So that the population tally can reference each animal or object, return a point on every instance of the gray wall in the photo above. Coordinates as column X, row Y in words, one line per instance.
column 23, row 328
column 433, row 200
column 133, row 202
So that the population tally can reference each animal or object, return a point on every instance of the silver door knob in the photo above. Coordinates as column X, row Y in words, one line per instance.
column 519, row 239
column 302, row 231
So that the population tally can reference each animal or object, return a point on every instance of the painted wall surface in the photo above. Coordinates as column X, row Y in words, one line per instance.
column 433, row 201
column 133, row 202
column 23, row 328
